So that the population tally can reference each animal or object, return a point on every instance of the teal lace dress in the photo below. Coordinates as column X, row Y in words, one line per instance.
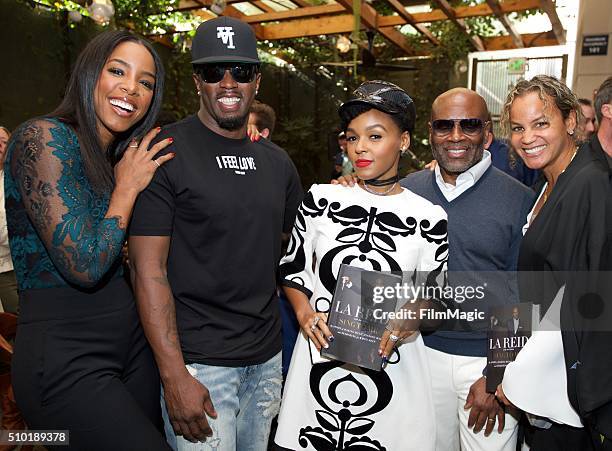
column 81, row 361
column 58, row 233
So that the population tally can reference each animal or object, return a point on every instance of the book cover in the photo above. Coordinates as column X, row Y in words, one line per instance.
column 510, row 326
column 356, row 319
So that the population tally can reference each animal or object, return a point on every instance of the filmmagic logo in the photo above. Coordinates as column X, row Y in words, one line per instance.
column 226, row 34
column 429, row 314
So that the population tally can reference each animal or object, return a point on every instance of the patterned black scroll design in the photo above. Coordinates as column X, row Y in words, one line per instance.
column 360, row 240
column 342, row 418
column 437, row 234
column 311, row 208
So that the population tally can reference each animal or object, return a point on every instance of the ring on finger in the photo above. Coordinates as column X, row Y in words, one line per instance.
column 157, row 163
column 491, row 420
column 314, row 323
column 134, row 145
column 393, row 338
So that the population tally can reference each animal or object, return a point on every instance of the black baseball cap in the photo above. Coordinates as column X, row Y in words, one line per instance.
column 386, row 97
column 224, row 39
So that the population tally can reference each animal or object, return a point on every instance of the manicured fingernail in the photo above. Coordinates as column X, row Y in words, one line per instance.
column 380, row 352
column 159, row 129
column 170, row 140
column 331, row 338
column 326, row 346
column 172, row 153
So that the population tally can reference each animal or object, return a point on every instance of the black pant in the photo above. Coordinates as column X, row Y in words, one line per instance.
column 82, row 363
column 560, row 437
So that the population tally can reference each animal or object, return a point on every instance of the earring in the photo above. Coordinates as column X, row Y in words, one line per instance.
column 570, row 132
column 402, row 150
column 198, row 92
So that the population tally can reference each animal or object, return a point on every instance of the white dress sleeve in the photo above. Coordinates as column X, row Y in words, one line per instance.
column 296, row 267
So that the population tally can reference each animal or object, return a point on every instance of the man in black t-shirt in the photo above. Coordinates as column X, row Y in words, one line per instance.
column 205, row 241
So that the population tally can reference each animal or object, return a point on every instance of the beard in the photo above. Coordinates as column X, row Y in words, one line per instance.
column 473, row 156
column 232, row 123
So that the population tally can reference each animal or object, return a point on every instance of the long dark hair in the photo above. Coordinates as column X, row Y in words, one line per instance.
column 77, row 107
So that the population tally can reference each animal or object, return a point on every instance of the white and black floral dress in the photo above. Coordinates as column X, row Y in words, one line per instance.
column 337, row 406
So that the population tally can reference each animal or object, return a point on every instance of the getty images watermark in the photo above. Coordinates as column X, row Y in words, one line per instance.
column 407, row 294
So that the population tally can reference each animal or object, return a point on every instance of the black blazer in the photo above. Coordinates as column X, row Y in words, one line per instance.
column 568, row 243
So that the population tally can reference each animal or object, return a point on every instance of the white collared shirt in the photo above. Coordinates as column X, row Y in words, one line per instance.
column 465, row 180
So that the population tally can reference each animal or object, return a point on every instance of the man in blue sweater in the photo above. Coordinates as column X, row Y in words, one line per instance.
column 486, row 211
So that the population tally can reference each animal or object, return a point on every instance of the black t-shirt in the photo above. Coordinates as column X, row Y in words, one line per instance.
column 225, row 203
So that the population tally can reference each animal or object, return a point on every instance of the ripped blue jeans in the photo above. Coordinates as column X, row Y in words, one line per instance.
column 245, row 398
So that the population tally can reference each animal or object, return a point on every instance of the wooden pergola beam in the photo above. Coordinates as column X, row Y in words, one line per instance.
column 399, row 8
column 369, row 18
column 462, row 12
column 309, row 11
column 204, row 14
column 383, row 21
column 548, row 6
column 308, row 27
column 264, row 7
column 398, row 38
column 459, row 23
column 530, row 39
column 301, row 3
column 503, row 18
column 390, row 21
column 326, row 23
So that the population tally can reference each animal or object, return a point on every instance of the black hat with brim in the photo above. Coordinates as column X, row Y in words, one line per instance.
column 224, row 40
column 383, row 96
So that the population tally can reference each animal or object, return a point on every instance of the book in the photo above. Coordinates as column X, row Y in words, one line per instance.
column 356, row 319
column 510, row 326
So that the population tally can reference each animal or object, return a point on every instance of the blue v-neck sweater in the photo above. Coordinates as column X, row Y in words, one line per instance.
column 484, row 233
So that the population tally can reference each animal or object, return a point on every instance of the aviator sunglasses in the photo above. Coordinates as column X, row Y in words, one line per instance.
column 214, row 73
column 442, row 127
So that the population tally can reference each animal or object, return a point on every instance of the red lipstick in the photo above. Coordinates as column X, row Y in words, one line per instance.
column 361, row 163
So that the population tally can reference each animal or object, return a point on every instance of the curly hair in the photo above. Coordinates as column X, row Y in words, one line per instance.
column 548, row 88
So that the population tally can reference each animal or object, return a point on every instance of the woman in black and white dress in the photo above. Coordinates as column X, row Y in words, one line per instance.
column 374, row 225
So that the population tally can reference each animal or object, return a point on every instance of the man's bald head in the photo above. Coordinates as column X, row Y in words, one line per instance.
column 465, row 99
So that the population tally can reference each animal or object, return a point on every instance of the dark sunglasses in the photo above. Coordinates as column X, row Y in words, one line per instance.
column 442, row 127
column 214, row 73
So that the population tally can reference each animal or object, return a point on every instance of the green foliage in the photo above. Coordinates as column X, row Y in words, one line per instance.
column 295, row 136
column 144, row 17
column 382, row 7
column 303, row 52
